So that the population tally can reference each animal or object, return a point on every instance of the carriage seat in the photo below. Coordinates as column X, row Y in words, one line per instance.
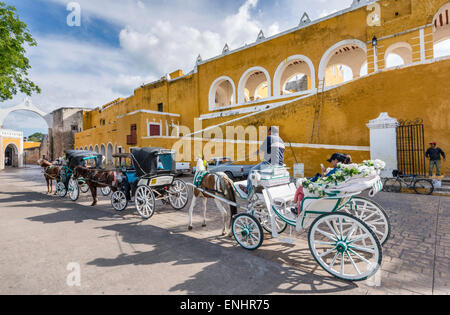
column 282, row 195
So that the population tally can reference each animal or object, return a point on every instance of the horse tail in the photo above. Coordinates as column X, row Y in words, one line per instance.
column 229, row 192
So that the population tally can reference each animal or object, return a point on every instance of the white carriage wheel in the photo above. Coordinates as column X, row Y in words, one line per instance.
column 373, row 215
column 263, row 216
column 74, row 189
column 119, row 200
column 178, row 194
column 345, row 246
column 105, row 191
column 248, row 231
column 145, row 202
column 61, row 190
column 84, row 188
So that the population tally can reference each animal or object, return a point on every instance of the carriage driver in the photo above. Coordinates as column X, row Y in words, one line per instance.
column 273, row 148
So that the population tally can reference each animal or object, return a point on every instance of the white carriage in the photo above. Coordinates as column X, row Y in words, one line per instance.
column 345, row 231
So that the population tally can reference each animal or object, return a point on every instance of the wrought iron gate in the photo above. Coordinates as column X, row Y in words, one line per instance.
column 411, row 147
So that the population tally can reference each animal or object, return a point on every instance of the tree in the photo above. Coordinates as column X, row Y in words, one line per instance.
column 36, row 137
column 14, row 66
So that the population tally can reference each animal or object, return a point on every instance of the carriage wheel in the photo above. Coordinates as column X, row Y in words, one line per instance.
column 61, row 190
column 105, row 191
column 263, row 216
column 84, row 187
column 119, row 200
column 145, row 202
column 345, row 246
column 178, row 194
column 74, row 190
column 248, row 231
column 373, row 215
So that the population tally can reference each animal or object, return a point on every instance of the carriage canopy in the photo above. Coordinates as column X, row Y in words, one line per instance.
column 149, row 161
column 76, row 158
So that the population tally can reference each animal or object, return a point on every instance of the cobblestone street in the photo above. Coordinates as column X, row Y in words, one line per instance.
column 120, row 254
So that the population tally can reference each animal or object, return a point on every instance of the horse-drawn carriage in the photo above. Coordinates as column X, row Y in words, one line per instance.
column 345, row 231
column 151, row 178
column 68, row 184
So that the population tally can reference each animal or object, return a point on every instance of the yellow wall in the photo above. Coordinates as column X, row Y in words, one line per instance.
column 418, row 91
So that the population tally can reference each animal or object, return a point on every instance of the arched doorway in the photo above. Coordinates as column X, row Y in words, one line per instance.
column 109, row 154
column 295, row 74
column 11, row 155
column 398, row 54
column 255, row 84
column 441, row 31
column 343, row 62
column 222, row 93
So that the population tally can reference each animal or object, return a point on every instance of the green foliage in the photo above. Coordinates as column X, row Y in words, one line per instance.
column 36, row 137
column 14, row 66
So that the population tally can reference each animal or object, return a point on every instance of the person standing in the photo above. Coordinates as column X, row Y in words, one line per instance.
column 434, row 155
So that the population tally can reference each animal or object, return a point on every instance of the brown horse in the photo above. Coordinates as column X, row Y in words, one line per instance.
column 218, row 184
column 96, row 179
column 51, row 173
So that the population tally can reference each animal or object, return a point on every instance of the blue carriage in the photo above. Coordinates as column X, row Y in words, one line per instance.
column 150, row 178
column 67, row 183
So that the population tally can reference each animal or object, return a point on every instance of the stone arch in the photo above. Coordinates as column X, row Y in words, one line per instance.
column 250, row 80
column 401, row 49
column 13, row 154
column 26, row 105
column 291, row 66
column 441, row 31
column 349, row 52
column 222, row 93
column 109, row 153
column 103, row 150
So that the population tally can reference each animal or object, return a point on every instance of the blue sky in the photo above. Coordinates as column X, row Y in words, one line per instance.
column 122, row 44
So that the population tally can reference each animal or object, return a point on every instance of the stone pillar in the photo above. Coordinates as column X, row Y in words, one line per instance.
column 383, row 142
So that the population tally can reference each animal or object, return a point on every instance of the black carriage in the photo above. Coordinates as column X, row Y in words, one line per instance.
column 150, row 178
column 68, row 184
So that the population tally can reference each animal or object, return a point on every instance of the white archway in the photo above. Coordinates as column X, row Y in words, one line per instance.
column 222, row 93
column 90, row 148
column 350, row 52
column 282, row 75
column 401, row 49
column 26, row 105
column 254, row 76
column 441, row 31
column 96, row 148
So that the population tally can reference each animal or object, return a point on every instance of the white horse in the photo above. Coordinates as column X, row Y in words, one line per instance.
column 216, row 184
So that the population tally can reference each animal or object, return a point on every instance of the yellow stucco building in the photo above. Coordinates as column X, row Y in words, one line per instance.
column 12, row 146
column 321, row 82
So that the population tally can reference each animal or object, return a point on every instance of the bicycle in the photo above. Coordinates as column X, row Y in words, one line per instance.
column 421, row 186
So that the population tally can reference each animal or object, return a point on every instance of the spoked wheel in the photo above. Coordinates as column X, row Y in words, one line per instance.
column 423, row 187
column 373, row 215
column 345, row 246
column 84, row 187
column 392, row 185
column 145, row 202
column 119, row 200
column 263, row 216
column 178, row 194
column 74, row 190
column 248, row 232
column 61, row 190
column 106, row 191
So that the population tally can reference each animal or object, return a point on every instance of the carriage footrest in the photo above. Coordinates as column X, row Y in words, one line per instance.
column 286, row 240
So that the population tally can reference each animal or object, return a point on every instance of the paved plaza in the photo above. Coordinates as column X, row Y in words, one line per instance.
column 45, row 239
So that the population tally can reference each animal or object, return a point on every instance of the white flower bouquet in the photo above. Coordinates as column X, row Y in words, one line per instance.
column 347, row 178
